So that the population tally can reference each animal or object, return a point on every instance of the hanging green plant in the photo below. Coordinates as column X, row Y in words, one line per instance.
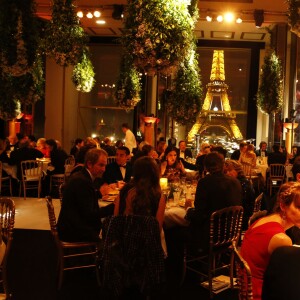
column 184, row 100
column 25, row 89
column 157, row 34
column 83, row 73
column 64, row 37
column 18, row 36
column 270, row 92
column 128, row 86
column 294, row 16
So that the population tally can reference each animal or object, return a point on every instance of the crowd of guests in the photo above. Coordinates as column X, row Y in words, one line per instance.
column 135, row 171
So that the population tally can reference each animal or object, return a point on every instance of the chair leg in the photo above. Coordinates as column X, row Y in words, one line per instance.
column 24, row 189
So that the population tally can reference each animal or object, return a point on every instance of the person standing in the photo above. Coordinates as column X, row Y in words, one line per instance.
column 80, row 216
column 130, row 141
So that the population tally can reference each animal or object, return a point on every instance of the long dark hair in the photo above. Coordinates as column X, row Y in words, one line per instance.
column 146, row 183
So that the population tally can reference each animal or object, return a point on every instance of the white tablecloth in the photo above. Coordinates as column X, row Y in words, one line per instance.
column 174, row 216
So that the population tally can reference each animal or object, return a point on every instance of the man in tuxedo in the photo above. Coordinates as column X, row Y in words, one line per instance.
column 282, row 276
column 214, row 191
column 184, row 152
column 262, row 151
column 276, row 157
column 120, row 169
column 80, row 216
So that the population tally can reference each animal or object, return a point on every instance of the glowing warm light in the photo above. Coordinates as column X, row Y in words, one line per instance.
column 229, row 17
column 100, row 22
column 80, row 14
column 239, row 20
column 112, row 138
column 208, row 18
column 97, row 13
column 93, row 135
column 215, row 108
column 220, row 18
column 89, row 15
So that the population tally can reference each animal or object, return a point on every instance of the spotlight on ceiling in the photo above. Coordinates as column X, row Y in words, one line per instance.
column 258, row 15
column 117, row 13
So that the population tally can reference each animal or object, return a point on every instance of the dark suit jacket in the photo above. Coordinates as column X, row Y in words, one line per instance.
column 282, row 276
column 187, row 153
column 214, row 192
column 258, row 153
column 80, row 215
column 113, row 173
column 276, row 158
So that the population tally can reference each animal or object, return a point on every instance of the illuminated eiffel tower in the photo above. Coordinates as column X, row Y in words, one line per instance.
column 216, row 110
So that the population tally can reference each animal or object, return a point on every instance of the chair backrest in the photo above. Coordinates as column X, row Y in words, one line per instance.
column 132, row 253
column 247, row 169
column 257, row 203
column 7, row 218
column 277, row 171
column 111, row 159
column 51, row 215
column 32, row 169
column 69, row 165
column 225, row 227
column 243, row 275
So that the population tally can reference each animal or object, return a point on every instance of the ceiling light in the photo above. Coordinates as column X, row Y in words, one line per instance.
column 258, row 15
column 100, row 22
column 80, row 14
column 97, row 13
column 220, row 18
column 208, row 18
column 238, row 20
column 89, row 15
column 229, row 17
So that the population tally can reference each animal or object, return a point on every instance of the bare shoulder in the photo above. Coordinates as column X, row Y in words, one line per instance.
column 279, row 240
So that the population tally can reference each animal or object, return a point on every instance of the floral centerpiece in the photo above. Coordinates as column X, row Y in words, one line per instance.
column 157, row 34
column 270, row 92
column 128, row 86
column 83, row 73
column 294, row 16
column 64, row 37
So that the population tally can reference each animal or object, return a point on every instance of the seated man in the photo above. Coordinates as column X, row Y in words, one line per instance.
column 282, row 277
column 80, row 216
column 214, row 191
column 184, row 152
column 119, row 170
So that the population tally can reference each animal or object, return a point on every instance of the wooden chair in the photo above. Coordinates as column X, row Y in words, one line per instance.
column 111, row 159
column 225, row 228
column 7, row 221
column 32, row 173
column 243, row 276
column 257, row 202
column 56, row 180
column 85, row 253
column 276, row 177
column 69, row 165
column 5, row 182
column 132, row 257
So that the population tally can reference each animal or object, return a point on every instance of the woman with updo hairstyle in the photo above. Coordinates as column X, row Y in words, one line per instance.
column 142, row 195
column 268, row 233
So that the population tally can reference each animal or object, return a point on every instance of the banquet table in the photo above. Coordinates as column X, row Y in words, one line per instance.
column 174, row 216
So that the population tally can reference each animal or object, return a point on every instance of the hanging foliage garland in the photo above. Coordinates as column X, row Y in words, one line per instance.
column 83, row 73
column 128, row 86
column 157, row 34
column 270, row 92
column 184, row 100
column 18, row 36
column 294, row 16
column 64, row 37
column 25, row 89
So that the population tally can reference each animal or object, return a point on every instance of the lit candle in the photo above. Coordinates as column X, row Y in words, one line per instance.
column 163, row 183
